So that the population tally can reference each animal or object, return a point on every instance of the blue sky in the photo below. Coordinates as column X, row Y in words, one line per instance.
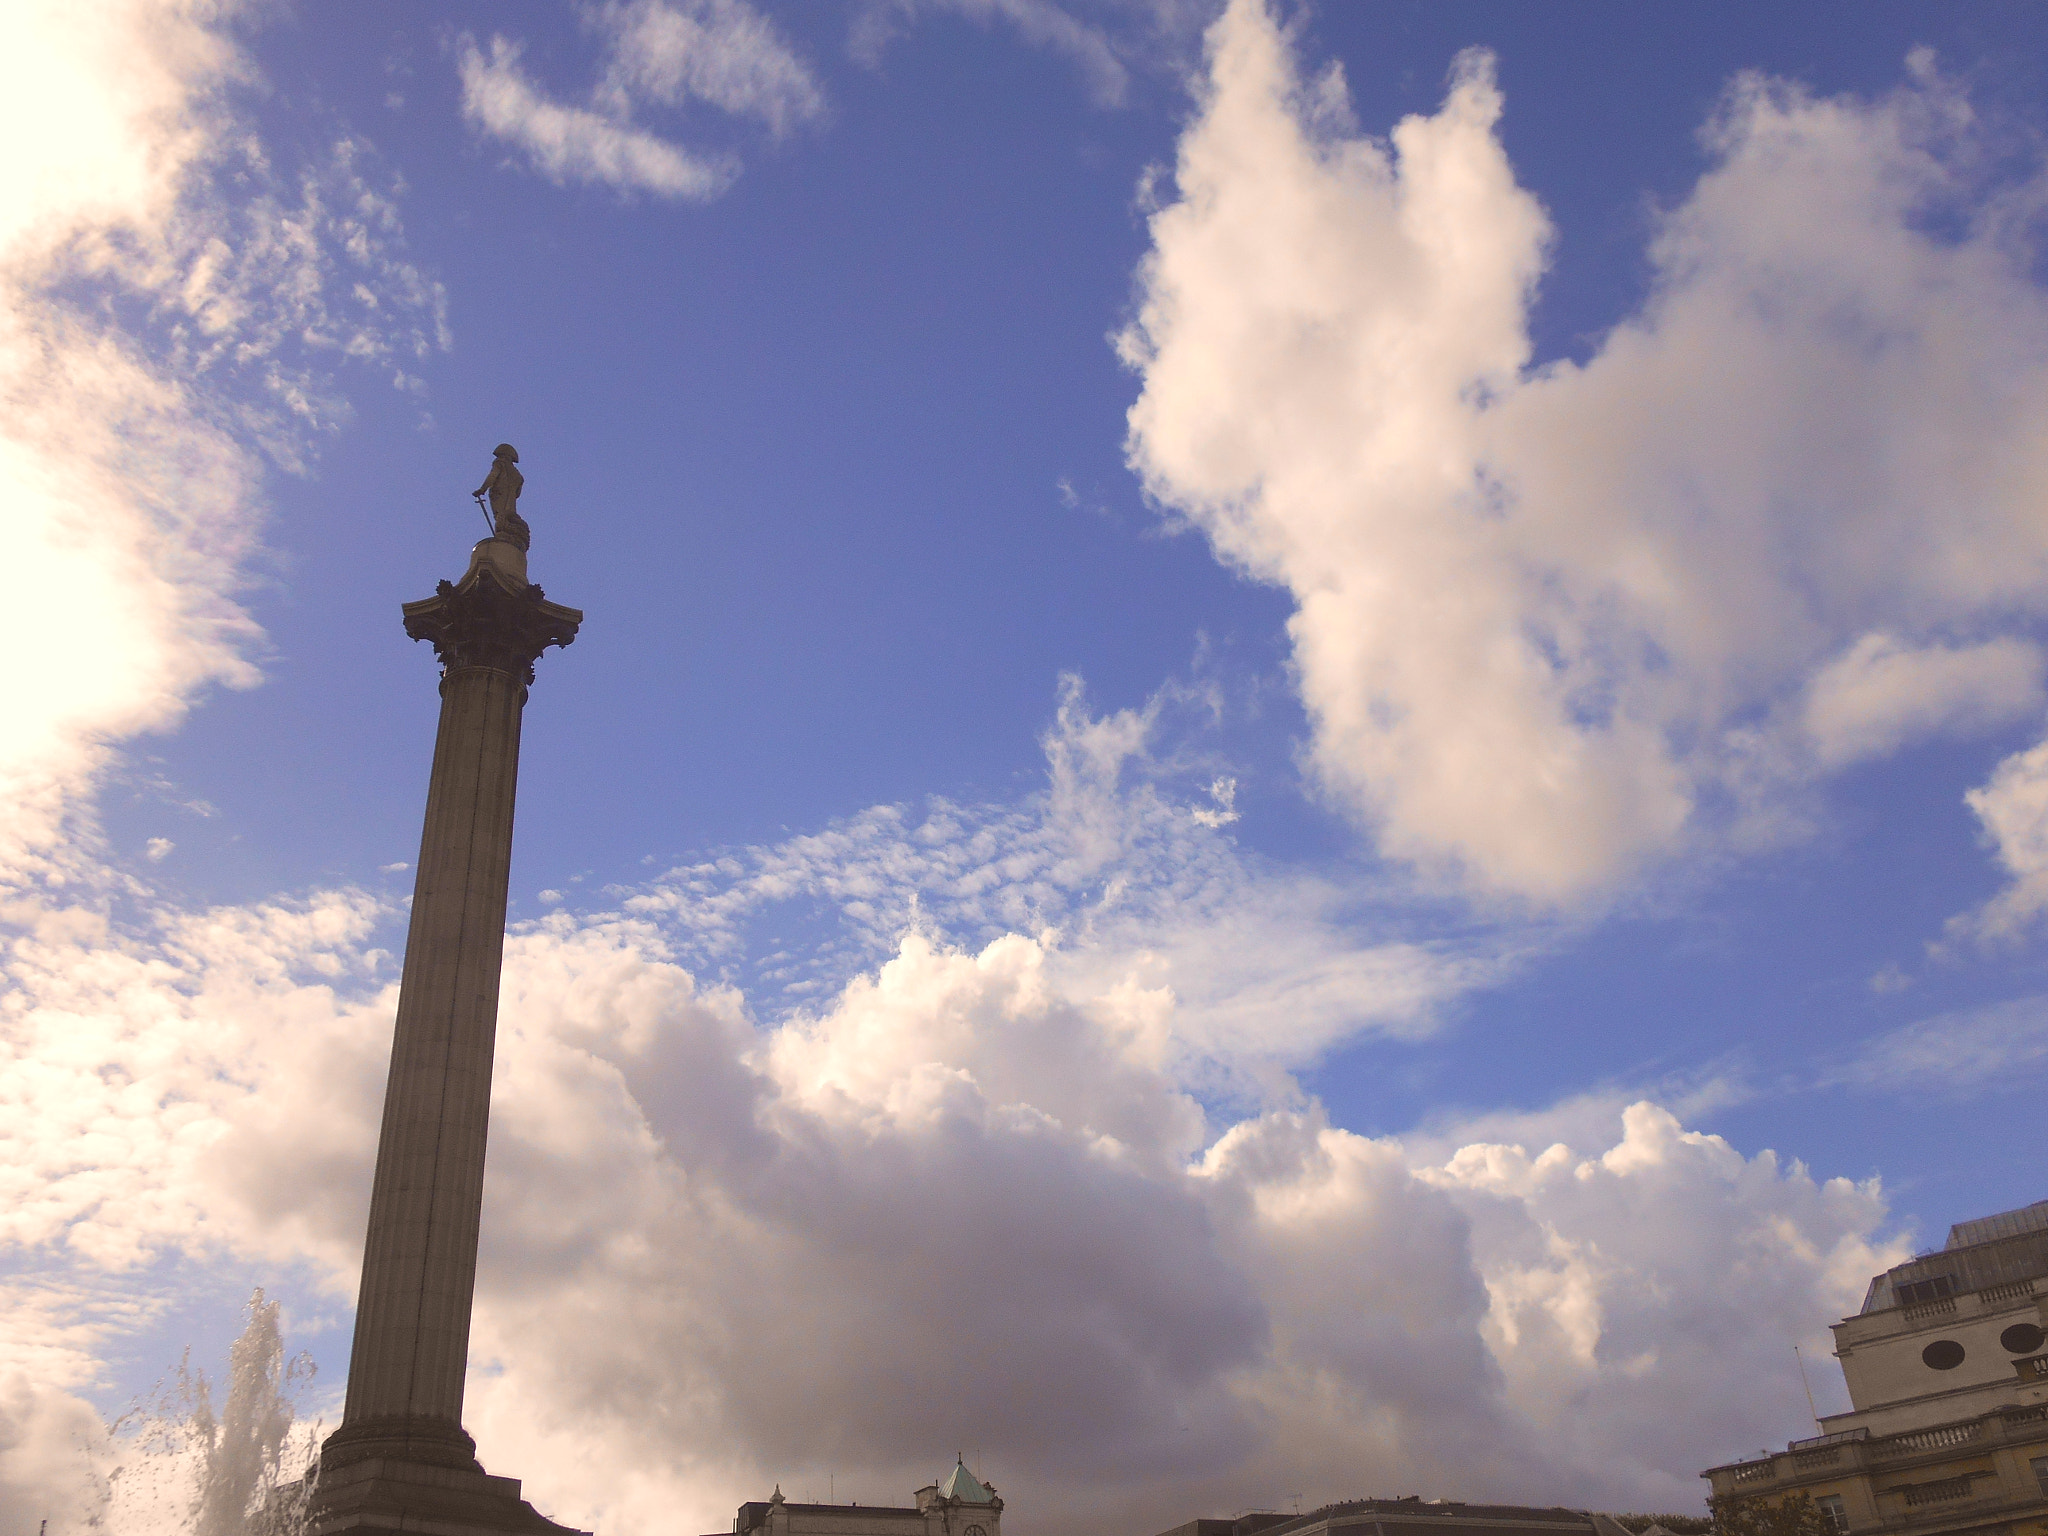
column 1325, row 599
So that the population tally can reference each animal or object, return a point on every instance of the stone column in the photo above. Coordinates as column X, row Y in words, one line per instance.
column 401, row 1459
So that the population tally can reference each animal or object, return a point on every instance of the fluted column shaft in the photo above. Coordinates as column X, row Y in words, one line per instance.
column 419, row 1265
column 411, row 1351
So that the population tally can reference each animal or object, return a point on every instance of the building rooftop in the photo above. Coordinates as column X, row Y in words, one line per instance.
column 2028, row 1218
column 962, row 1484
column 1990, row 1251
column 1434, row 1517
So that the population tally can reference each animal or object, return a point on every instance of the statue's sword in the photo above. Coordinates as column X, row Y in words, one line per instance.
column 490, row 521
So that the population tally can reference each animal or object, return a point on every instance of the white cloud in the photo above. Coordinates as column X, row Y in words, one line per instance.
column 986, row 1148
column 1601, row 1301
column 1879, row 694
column 575, row 143
column 718, row 51
column 1555, row 623
column 207, row 1084
column 1041, row 23
column 1224, row 792
column 2000, row 1045
column 112, row 557
column 157, row 849
column 718, row 1253
column 722, row 1249
column 975, row 1185
column 133, row 459
column 2013, row 808
column 1203, row 951
column 663, row 53
column 50, row 1353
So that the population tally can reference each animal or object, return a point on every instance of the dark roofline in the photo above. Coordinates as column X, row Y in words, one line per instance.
column 1957, row 1240
column 866, row 1509
column 1415, row 1508
column 1974, row 1267
column 753, row 1515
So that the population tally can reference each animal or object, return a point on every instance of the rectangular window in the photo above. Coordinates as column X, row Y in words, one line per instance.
column 1932, row 1289
column 2040, row 1465
column 1831, row 1506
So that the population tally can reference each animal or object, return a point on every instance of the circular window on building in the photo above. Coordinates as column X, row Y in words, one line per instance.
column 2022, row 1339
column 1942, row 1355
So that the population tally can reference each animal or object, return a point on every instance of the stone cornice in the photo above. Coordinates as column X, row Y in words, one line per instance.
column 491, row 619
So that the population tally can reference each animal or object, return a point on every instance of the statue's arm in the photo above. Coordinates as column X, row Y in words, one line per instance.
column 490, row 480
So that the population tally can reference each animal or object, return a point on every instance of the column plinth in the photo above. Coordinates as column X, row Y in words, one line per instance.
column 401, row 1459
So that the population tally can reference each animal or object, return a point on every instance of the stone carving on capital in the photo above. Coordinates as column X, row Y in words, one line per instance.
column 489, row 619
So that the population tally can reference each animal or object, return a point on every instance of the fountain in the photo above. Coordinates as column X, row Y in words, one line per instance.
column 244, row 1470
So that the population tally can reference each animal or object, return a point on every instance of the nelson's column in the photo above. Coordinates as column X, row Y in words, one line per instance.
column 401, row 1460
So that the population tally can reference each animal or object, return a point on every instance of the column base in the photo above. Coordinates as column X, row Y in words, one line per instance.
column 363, row 1489
column 384, row 1498
column 416, row 1440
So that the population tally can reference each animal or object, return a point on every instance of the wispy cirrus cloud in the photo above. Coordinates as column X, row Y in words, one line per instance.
column 1121, row 869
column 658, row 53
column 177, row 307
column 720, row 52
column 568, row 143
column 134, row 447
column 1973, row 1049
column 1040, row 23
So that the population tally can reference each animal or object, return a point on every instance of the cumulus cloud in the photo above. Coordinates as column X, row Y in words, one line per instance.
column 952, row 1203
column 1554, row 622
column 977, row 1186
column 50, row 1354
column 663, row 53
column 2013, row 810
column 137, row 1071
column 206, row 1084
column 966, row 1178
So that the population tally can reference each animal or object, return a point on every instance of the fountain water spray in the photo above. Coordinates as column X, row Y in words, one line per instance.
column 240, row 1472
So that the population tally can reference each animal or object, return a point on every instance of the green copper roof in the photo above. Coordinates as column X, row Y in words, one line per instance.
column 960, row 1484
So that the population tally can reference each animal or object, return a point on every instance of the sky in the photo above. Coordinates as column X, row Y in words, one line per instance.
column 1309, row 760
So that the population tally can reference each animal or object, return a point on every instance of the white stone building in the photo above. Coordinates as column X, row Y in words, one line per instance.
column 959, row 1504
column 1947, row 1369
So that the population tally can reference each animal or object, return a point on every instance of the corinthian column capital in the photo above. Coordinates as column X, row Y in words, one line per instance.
column 494, row 617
